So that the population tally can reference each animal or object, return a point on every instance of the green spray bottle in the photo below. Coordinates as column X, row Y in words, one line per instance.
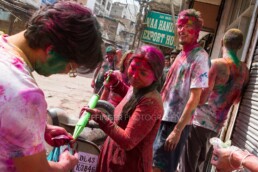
column 86, row 116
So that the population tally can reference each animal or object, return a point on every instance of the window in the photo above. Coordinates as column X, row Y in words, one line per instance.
column 108, row 6
column 103, row 2
column 240, row 9
column 235, row 12
column 240, row 17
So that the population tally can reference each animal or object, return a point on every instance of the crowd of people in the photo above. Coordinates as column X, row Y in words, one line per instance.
column 166, row 107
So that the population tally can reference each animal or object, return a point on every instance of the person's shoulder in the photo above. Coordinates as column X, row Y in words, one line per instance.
column 199, row 54
column 218, row 64
column 152, row 96
column 152, row 101
column 218, row 61
column 201, row 51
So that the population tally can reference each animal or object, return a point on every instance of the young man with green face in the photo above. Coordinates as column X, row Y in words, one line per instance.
column 58, row 38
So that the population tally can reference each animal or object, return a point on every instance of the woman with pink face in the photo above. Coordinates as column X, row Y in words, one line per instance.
column 136, row 118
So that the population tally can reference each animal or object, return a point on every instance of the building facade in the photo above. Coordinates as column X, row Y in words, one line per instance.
column 102, row 7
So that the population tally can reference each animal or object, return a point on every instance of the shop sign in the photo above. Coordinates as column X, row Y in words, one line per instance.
column 159, row 29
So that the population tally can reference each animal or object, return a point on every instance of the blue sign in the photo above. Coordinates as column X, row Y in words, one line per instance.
column 48, row 1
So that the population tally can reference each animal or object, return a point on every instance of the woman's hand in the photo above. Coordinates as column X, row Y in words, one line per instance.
column 222, row 157
column 57, row 136
column 110, row 79
column 95, row 113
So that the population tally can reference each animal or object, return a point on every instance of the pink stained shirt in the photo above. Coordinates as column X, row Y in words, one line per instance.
column 187, row 72
column 22, row 108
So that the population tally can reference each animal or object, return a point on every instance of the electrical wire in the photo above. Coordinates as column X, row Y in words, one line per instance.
column 5, row 9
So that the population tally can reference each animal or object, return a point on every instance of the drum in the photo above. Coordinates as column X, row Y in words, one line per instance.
column 88, row 155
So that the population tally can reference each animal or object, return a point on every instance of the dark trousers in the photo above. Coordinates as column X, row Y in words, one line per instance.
column 196, row 149
column 168, row 160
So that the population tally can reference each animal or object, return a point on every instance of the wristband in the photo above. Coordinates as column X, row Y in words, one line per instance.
column 230, row 157
column 244, row 158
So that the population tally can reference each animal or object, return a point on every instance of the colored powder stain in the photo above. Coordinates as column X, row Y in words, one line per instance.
column 18, row 63
column 204, row 75
column 190, row 22
column 221, row 89
column 203, row 122
column 193, row 111
column 195, row 50
column 54, row 64
column 2, row 90
column 186, row 20
column 234, row 58
column 191, row 31
column 31, row 96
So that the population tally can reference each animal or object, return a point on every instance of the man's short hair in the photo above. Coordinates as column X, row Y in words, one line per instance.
column 71, row 30
column 194, row 16
column 175, row 51
column 233, row 39
column 111, row 49
column 167, row 57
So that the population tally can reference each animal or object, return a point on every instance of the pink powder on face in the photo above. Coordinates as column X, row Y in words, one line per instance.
column 186, row 20
column 140, row 73
column 192, row 31
column 190, row 21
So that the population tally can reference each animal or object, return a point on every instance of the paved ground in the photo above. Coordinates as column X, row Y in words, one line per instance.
column 64, row 92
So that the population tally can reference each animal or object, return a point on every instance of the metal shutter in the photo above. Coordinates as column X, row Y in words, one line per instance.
column 245, row 132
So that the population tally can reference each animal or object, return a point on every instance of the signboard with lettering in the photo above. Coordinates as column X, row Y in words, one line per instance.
column 87, row 162
column 159, row 29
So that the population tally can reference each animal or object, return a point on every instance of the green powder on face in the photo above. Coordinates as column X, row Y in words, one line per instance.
column 55, row 64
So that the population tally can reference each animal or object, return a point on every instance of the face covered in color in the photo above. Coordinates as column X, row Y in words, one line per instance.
column 110, row 57
column 53, row 65
column 187, row 32
column 140, row 73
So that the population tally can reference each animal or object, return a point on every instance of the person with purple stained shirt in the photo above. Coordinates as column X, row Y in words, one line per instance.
column 58, row 39
column 181, row 92
column 228, row 77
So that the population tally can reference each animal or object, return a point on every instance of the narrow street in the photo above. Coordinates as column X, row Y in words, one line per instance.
column 69, row 94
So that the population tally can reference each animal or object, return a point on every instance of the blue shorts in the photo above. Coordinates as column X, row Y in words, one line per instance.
column 168, row 160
